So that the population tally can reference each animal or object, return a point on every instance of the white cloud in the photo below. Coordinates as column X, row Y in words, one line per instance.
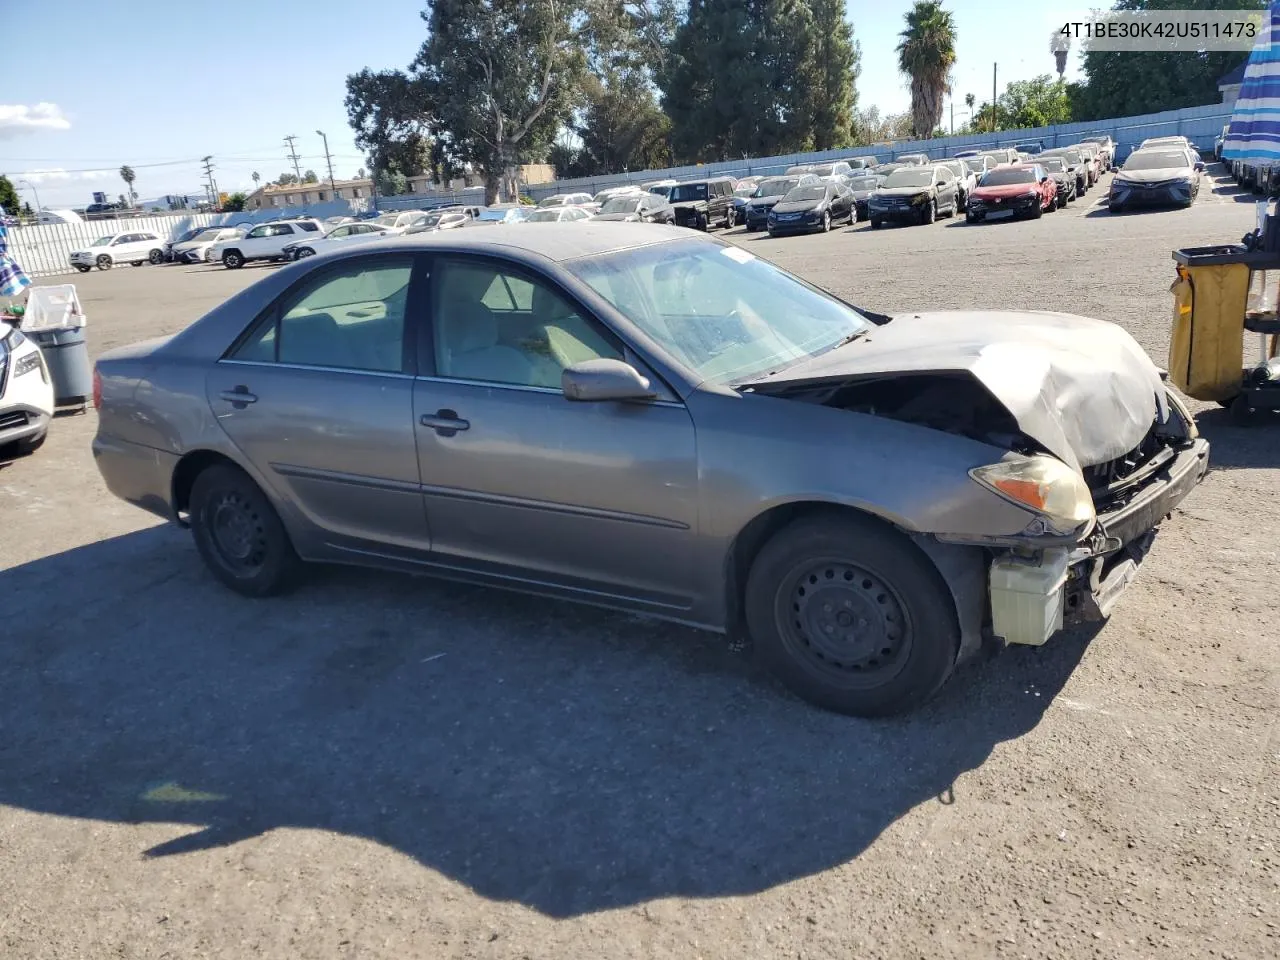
column 58, row 175
column 18, row 118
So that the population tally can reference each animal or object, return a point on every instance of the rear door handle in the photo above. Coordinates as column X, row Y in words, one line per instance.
column 444, row 422
column 239, row 397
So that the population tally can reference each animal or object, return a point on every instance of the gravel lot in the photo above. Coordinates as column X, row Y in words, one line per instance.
column 380, row 766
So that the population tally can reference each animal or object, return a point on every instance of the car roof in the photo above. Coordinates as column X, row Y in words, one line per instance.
column 555, row 241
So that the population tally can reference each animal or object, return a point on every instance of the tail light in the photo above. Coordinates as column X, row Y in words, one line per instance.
column 97, row 389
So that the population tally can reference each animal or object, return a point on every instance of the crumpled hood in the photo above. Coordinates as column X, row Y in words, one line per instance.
column 1082, row 388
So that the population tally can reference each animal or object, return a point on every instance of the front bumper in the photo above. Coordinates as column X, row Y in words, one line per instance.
column 690, row 217
column 757, row 218
column 1033, row 596
column 803, row 224
column 1153, row 195
column 20, row 422
column 906, row 212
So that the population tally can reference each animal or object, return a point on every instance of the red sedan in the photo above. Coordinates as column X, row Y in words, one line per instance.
column 1014, row 191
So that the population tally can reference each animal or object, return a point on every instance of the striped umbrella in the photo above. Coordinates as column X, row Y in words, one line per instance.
column 12, row 280
column 1254, row 133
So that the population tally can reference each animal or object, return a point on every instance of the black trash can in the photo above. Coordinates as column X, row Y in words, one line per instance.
column 66, row 352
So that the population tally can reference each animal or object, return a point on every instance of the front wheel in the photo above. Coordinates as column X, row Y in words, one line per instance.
column 851, row 616
column 875, row 224
column 973, row 218
column 232, row 260
column 155, row 257
column 304, row 252
column 83, row 269
column 239, row 534
column 826, row 221
column 930, row 212
column 103, row 262
column 1113, row 207
column 1053, row 204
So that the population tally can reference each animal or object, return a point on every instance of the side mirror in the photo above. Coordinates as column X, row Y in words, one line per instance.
column 1199, row 166
column 1044, row 179
column 604, row 379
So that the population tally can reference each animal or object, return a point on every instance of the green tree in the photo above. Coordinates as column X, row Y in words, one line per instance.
column 621, row 128
column 235, row 202
column 1040, row 102
column 926, row 54
column 390, row 115
column 837, row 62
column 1126, row 83
column 310, row 177
column 286, row 179
column 8, row 195
column 128, row 176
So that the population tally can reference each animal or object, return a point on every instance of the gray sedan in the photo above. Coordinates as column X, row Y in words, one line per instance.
column 633, row 416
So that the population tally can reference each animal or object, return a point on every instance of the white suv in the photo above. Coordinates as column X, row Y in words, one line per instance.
column 105, row 252
column 26, row 392
column 266, row 241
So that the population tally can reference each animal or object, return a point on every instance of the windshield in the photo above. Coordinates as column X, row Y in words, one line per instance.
column 103, row 241
column 776, row 186
column 745, row 192
column 621, row 205
column 210, row 234
column 863, row 183
column 556, row 201
column 688, row 191
column 724, row 313
column 976, row 165
column 1156, row 160
column 1054, row 164
column 909, row 178
column 499, row 214
column 810, row 191
column 1007, row 175
column 543, row 216
column 823, row 169
column 387, row 219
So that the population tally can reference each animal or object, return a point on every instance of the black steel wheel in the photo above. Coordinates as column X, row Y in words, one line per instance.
column 239, row 534
column 851, row 616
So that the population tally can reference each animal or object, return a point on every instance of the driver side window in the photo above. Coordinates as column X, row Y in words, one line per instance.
column 495, row 325
column 259, row 232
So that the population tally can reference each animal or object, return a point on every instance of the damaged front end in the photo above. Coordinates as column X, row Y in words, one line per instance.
column 1088, row 526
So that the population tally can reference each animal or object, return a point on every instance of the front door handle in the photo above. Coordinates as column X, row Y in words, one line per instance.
column 444, row 422
column 240, row 397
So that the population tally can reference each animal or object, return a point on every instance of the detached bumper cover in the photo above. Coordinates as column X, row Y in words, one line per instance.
column 1150, row 194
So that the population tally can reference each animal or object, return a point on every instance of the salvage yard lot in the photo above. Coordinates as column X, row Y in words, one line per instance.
column 381, row 766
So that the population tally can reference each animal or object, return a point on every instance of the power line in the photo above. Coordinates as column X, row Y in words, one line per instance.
column 213, row 186
column 293, row 155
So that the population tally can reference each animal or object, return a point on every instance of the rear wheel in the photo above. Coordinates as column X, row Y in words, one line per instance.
column 851, row 616
column 239, row 534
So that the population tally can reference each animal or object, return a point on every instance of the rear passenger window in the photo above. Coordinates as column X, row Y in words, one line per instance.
column 309, row 227
column 351, row 318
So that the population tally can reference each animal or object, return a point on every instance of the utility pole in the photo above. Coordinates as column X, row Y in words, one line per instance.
column 208, row 172
column 993, row 96
column 953, row 116
column 33, row 189
column 328, row 158
column 293, row 155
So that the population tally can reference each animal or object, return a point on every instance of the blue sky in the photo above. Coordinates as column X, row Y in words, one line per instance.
column 158, row 85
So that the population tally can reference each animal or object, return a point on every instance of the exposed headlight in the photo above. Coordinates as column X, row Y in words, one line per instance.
column 920, row 198
column 1043, row 484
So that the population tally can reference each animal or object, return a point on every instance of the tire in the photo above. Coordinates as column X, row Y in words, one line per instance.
column 239, row 534
column 232, row 259
column 929, row 213
column 1114, row 207
column 83, row 269
column 104, row 262
column 1036, row 212
column 730, row 219
column 972, row 218
column 1241, row 412
column 304, row 252
column 1053, row 204
column 826, row 221
column 837, row 574
column 136, row 263
column 875, row 224
column 155, row 257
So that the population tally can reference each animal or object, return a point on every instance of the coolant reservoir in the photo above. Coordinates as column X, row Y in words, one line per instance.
column 1027, row 598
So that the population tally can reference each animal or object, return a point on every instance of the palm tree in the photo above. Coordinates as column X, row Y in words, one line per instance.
column 255, row 177
column 128, row 176
column 926, row 53
column 1059, row 45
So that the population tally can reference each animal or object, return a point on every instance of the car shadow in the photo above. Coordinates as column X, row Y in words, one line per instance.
column 1236, row 447
column 565, row 758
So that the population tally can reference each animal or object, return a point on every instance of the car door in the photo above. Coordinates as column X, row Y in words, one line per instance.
column 520, row 483
column 255, row 240
column 946, row 188
column 318, row 397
